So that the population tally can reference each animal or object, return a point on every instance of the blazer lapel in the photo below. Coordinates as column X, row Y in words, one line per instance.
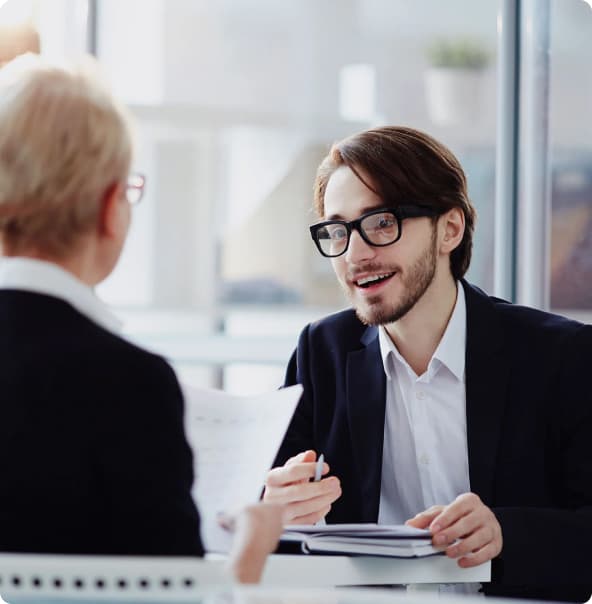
column 366, row 407
column 487, row 373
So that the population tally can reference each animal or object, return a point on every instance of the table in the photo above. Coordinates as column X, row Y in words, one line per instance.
column 263, row 595
column 36, row 578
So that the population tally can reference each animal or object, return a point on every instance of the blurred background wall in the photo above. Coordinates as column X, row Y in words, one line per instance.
column 236, row 102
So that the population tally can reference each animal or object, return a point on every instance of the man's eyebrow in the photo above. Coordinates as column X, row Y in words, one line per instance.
column 362, row 212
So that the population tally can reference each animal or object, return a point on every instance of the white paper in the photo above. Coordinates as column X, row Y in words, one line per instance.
column 235, row 440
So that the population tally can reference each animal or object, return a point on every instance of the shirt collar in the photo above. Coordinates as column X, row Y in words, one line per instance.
column 387, row 351
column 449, row 352
column 47, row 278
column 451, row 349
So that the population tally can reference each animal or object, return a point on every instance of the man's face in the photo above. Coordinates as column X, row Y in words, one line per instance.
column 383, row 283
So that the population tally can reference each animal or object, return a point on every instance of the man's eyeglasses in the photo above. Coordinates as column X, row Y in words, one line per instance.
column 378, row 228
column 135, row 188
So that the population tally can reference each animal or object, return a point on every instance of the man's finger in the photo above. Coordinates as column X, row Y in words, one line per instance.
column 461, row 506
column 488, row 552
column 423, row 519
column 313, row 504
column 308, row 455
column 471, row 543
column 294, row 473
column 466, row 525
column 419, row 521
column 330, row 487
column 304, row 491
column 312, row 518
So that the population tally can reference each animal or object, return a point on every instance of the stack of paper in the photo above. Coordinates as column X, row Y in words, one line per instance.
column 398, row 541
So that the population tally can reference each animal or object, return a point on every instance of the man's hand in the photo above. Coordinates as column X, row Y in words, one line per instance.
column 468, row 520
column 305, row 502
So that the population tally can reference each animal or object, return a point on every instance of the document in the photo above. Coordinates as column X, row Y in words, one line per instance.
column 235, row 440
column 397, row 541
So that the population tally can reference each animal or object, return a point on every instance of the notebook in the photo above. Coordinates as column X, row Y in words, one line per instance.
column 398, row 541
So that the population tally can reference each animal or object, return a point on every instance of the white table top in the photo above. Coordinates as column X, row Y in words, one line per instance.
column 48, row 578
column 264, row 595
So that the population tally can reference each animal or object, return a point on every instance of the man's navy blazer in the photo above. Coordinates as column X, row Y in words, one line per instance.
column 93, row 455
column 529, row 433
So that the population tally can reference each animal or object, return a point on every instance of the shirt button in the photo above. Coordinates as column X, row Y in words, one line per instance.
column 424, row 459
column 420, row 395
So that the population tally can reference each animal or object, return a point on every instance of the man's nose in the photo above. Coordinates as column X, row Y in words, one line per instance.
column 358, row 250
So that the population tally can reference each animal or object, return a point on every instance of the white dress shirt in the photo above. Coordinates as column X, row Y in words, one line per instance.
column 425, row 456
column 38, row 276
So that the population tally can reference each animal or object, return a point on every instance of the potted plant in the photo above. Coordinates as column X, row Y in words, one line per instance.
column 454, row 80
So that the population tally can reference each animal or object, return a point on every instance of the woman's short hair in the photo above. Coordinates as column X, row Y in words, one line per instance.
column 63, row 141
column 404, row 166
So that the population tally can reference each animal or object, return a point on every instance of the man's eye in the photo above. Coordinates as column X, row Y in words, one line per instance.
column 385, row 222
column 337, row 233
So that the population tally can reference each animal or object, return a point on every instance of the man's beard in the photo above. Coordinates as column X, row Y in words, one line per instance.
column 377, row 311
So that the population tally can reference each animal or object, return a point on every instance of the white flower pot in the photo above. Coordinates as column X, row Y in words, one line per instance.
column 453, row 95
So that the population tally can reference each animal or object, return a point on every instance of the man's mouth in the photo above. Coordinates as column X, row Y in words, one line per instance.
column 371, row 280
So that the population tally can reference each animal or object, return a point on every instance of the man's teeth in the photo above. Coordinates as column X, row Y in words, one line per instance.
column 372, row 279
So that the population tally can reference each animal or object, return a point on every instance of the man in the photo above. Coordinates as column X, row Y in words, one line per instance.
column 432, row 402
column 93, row 455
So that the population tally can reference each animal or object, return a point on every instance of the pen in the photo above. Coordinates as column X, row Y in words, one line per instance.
column 319, row 468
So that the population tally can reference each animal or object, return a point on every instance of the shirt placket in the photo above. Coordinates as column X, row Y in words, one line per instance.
column 425, row 463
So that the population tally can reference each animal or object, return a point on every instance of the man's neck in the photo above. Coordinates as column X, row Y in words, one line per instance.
column 419, row 332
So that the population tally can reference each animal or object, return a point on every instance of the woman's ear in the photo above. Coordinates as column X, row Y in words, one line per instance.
column 108, row 220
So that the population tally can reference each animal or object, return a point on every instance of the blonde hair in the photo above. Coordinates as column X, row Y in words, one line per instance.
column 63, row 141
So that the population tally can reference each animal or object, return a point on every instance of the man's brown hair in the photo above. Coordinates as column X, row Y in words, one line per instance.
column 404, row 166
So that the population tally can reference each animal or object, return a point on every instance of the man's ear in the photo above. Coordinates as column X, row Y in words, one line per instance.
column 108, row 213
column 453, row 229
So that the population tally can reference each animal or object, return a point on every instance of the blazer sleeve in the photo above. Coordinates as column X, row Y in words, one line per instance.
column 299, row 436
column 553, row 546
column 144, row 461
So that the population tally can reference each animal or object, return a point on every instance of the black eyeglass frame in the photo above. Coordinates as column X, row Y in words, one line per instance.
column 399, row 212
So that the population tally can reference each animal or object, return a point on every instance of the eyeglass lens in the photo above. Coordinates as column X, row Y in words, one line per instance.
column 378, row 229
